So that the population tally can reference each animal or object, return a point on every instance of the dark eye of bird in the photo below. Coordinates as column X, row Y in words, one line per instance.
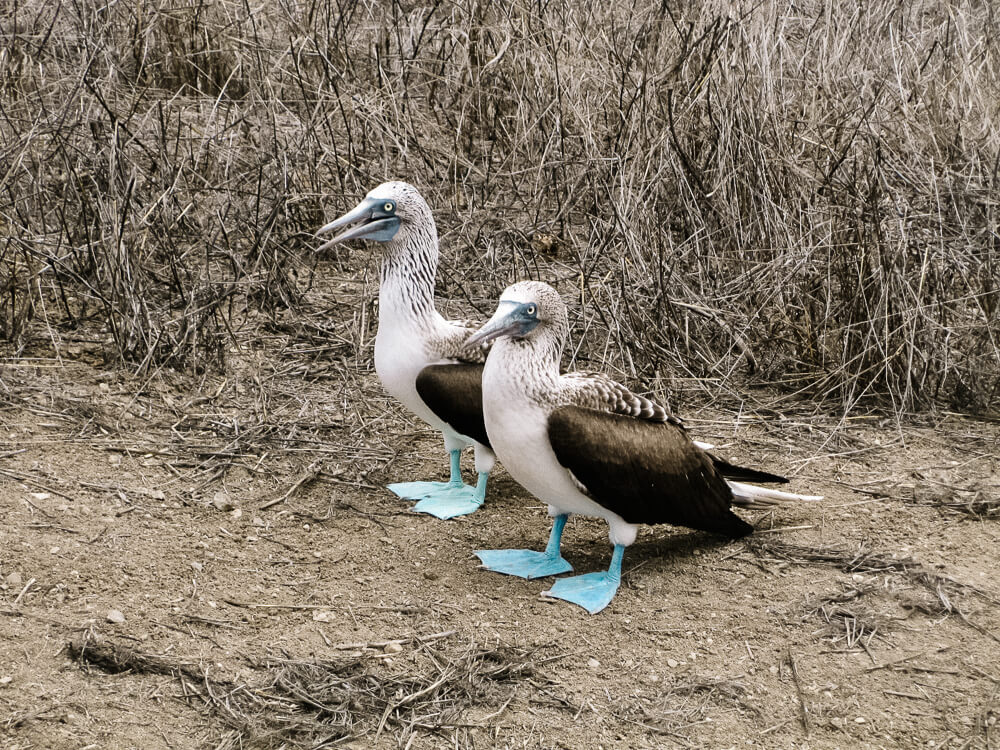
column 531, row 310
column 388, row 207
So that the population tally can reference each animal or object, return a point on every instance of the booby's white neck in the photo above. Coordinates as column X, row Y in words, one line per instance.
column 406, row 285
column 523, row 370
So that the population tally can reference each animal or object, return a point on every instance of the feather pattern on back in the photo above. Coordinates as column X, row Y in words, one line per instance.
column 449, row 343
column 596, row 390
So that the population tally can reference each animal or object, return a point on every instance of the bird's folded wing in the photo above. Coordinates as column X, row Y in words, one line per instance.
column 645, row 471
column 454, row 392
column 597, row 391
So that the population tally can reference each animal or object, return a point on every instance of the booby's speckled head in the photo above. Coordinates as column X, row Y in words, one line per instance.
column 527, row 310
column 391, row 211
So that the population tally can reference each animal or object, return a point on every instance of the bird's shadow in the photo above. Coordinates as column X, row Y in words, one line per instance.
column 658, row 548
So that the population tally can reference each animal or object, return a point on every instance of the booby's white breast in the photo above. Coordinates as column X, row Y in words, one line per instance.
column 518, row 430
column 403, row 348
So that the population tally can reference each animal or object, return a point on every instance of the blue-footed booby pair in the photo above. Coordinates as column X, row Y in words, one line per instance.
column 421, row 358
column 585, row 444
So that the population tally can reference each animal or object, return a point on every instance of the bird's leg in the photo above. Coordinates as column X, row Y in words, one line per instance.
column 555, row 536
column 527, row 563
column 423, row 490
column 593, row 591
column 481, row 486
column 456, row 469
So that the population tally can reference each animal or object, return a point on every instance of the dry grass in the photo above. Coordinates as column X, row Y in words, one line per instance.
column 799, row 194
column 320, row 703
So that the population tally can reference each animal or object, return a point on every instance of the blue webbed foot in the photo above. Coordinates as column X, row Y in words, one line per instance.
column 593, row 591
column 444, row 499
column 525, row 563
column 416, row 490
column 450, row 501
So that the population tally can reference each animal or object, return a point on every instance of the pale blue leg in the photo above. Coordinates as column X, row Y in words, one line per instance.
column 420, row 490
column 527, row 563
column 593, row 591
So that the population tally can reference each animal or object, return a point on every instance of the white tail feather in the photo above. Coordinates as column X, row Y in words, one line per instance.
column 749, row 494
column 703, row 446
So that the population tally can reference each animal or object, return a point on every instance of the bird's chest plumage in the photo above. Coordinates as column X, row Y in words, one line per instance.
column 399, row 356
column 401, row 352
column 518, row 430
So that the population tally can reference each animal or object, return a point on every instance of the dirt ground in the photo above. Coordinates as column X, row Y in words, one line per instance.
column 231, row 536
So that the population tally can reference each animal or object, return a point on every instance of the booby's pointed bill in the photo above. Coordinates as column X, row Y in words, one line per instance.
column 511, row 319
column 375, row 219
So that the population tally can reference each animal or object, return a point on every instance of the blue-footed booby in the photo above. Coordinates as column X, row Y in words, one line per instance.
column 583, row 443
column 421, row 358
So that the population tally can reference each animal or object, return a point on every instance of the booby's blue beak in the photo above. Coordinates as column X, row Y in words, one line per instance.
column 376, row 220
column 514, row 319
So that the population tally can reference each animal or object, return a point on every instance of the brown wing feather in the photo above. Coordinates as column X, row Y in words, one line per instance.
column 646, row 472
column 597, row 391
column 455, row 393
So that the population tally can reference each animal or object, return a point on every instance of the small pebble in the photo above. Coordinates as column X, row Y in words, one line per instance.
column 593, row 663
column 258, row 522
column 236, row 514
column 860, row 720
column 197, row 565
column 14, row 579
column 222, row 502
column 393, row 648
column 672, row 663
column 115, row 616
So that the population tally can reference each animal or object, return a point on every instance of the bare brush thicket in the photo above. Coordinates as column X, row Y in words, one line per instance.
column 804, row 193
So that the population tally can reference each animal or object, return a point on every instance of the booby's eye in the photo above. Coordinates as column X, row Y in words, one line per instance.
column 389, row 207
column 531, row 309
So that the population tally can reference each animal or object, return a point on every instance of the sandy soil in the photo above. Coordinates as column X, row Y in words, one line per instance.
column 154, row 499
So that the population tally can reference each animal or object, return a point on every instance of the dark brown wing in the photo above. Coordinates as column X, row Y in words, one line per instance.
column 646, row 472
column 455, row 393
column 596, row 390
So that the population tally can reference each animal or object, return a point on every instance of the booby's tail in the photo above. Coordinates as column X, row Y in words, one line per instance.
column 751, row 496
column 742, row 474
